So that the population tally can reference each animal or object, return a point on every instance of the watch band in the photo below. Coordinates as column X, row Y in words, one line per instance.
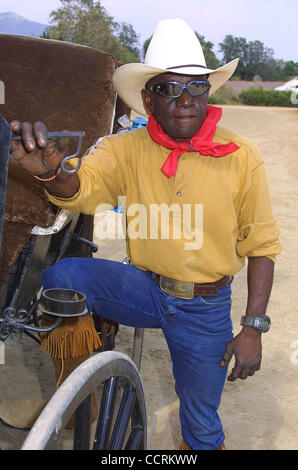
column 261, row 323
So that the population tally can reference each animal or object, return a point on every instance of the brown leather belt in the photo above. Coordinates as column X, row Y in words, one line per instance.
column 187, row 290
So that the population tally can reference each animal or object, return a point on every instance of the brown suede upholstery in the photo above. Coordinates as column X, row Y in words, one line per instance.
column 65, row 85
column 21, row 216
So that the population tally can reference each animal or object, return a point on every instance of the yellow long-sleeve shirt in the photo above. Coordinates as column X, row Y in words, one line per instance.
column 214, row 211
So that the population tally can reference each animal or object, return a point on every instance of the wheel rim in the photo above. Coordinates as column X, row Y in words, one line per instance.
column 121, row 423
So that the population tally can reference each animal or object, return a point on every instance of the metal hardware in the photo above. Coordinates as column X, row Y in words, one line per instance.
column 62, row 219
column 5, row 137
column 93, row 246
column 13, row 324
column 71, row 135
column 59, row 303
column 184, row 290
column 63, row 303
column 261, row 323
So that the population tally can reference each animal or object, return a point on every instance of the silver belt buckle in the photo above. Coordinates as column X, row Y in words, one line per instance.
column 183, row 290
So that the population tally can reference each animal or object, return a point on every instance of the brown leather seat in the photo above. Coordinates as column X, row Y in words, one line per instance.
column 67, row 86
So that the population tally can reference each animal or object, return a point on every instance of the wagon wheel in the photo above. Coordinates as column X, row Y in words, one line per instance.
column 121, row 423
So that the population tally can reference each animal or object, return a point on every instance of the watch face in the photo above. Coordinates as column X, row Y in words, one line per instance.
column 261, row 323
column 265, row 323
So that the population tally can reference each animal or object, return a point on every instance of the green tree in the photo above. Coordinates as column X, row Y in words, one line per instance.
column 87, row 22
column 290, row 69
column 211, row 60
column 255, row 58
column 128, row 38
column 146, row 44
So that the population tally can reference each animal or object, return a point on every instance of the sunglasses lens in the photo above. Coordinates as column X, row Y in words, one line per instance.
column 197, row 88
column 168, row 90
column 174, row 89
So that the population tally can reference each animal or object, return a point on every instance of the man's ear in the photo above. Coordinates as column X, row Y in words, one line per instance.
column 146, row 96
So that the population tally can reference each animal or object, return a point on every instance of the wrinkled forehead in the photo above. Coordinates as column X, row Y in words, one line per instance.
column 175, row 77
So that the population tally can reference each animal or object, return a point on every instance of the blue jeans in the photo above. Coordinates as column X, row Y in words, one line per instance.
column 196, row 332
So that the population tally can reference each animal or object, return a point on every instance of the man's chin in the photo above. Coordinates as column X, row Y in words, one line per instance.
column 186, row 128
column 184, row 134
column 183, row 129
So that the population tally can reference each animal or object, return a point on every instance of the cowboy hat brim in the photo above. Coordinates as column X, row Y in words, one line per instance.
column 130, row 79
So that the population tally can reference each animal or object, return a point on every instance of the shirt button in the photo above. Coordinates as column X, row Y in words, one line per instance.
column 178, row 193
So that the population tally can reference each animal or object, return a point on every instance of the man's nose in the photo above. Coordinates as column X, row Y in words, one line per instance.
column 185, row 99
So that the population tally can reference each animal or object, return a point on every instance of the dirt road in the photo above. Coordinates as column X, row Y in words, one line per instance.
column 258, row 413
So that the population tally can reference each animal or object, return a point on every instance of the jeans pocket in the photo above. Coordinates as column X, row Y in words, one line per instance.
column 223, row 297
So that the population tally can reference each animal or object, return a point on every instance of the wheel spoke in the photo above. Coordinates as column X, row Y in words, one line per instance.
column 123, row 417
column 135, row 438
column 106, row 412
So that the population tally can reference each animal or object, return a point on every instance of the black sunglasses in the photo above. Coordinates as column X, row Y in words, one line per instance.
column 175, row 89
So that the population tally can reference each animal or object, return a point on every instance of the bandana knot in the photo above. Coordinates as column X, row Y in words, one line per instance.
column 201, row 142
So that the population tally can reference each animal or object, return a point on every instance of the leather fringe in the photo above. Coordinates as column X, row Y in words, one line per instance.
column 74, row 337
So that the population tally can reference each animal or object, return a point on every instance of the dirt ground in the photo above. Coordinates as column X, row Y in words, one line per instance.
column 258, row 413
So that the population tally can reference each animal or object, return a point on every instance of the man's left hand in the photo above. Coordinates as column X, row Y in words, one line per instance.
column 247, row 348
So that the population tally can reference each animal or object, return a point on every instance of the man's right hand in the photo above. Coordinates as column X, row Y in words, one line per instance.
column 42, row 157
column 34, row 151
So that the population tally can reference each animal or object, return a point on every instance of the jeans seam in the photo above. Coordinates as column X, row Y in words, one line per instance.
column 215, row 303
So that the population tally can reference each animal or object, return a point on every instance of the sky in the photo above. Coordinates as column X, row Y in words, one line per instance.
column 274, row 22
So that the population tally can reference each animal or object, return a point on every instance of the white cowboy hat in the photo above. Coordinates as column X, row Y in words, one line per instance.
column 174, row 47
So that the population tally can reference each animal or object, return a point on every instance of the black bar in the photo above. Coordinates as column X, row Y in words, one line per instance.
column 81, row 437
column 56, row 135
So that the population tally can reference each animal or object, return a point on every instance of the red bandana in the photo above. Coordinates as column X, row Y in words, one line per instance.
column 201, row 142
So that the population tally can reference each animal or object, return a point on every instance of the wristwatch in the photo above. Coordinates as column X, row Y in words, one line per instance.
column 262, row 324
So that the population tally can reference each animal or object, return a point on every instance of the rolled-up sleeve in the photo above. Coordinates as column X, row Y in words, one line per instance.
column 258, row 233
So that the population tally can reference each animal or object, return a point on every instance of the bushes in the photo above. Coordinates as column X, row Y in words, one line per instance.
column 253, row 97
column 224, row 95
column 260, row 97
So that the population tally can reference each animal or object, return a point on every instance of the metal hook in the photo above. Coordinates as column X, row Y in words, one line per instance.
column 71, row 135
column 79, row 135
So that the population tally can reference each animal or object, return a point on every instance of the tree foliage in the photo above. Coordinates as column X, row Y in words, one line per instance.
column 211, row 60
column 87, row 22
column 255, row 59
column 146, row 45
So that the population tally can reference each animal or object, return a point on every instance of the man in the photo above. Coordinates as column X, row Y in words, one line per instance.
column 214, row 188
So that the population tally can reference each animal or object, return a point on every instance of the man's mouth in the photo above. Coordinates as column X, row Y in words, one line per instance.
column 185, row 117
